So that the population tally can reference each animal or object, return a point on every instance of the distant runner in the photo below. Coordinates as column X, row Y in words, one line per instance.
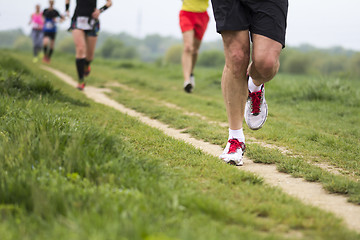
column 51, row 16
column 85, row 26
column 193, row 23
column 238, row 22
column 37, row 23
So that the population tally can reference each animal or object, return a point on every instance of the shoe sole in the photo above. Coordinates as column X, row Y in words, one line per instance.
column 188, row 88
column 233, row 162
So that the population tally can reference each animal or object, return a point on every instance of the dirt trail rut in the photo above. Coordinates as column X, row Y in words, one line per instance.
column 310, row 193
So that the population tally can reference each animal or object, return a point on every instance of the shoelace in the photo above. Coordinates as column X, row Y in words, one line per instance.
column 255, row 101
column 235, row 144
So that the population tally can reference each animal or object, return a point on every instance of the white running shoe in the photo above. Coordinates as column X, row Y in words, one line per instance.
column 188, row 86
column 233, row 152
column 256, row 109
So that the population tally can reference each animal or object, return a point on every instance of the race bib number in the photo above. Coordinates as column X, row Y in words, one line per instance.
column 36, row 25
column 84, row 23
column 49, row 25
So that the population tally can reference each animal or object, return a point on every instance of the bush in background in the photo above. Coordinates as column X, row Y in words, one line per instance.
column 8, row 37
column 23, row 43
column 211, row 58
column 173, row 54
column 305, row 59
column 354, row 65
column 67, row 45
column 113, row 48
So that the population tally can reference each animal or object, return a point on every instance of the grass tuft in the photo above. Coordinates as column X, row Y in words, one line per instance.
column 71, row 169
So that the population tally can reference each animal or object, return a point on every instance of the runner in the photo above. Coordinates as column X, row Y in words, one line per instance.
column 193, row 23
column 51, row 16
column 37, row 23
column 238, row 22
column 85, row 26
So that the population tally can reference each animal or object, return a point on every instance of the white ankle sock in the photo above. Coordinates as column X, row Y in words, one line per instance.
column 252, row 87
column 238, row 134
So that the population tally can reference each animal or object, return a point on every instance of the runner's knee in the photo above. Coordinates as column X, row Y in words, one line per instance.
column 188, row 49
column 80, row 51
column 237, row 62
column 267, row 66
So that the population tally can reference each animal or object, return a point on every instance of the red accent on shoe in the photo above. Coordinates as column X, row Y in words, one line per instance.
column 235, row 144
column 256, row 101
column 81, row 86
column 46, row 59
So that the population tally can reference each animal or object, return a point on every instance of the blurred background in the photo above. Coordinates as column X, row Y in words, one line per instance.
column 323, row 37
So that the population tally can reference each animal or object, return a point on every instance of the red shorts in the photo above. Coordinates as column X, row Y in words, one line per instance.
column 196, row 21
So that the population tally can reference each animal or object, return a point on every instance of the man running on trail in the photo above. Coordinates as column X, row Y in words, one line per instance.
column 193, row 23
column 37, row 23
column 50, row 15
column 239, row 21
column 85, row 26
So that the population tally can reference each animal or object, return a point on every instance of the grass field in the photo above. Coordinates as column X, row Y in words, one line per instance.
column 317, row 119
column 74, row 169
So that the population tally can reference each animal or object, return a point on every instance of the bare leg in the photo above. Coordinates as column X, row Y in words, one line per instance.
column 234, row 80
column 80, row 46
column 196, row 46
column 264, row 66
column 187, row 55
column 265, row 59
column 90, row 47
column 90, row 51
column 80, row 43
column 52, row 43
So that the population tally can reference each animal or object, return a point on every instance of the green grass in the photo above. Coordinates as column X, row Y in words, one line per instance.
column 321, row 123
column 298, row 167
column 74, row 169
column 316, row 118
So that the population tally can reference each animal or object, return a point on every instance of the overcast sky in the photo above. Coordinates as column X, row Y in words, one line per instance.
column 322, row 23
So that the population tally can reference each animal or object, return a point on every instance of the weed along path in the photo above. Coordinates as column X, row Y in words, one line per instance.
column 310, row 193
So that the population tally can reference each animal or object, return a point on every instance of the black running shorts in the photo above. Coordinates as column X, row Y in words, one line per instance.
column 263, row 17
column 50, row 35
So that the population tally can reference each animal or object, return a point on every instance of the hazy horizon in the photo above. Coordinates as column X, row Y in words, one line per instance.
column 322, row 24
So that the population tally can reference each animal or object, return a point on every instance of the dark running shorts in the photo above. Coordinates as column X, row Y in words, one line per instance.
column 50, row 35
column 263, row 17
column 91, row 32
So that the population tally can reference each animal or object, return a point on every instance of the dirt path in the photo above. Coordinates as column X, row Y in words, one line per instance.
column 309, row 193
column 322, row 165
